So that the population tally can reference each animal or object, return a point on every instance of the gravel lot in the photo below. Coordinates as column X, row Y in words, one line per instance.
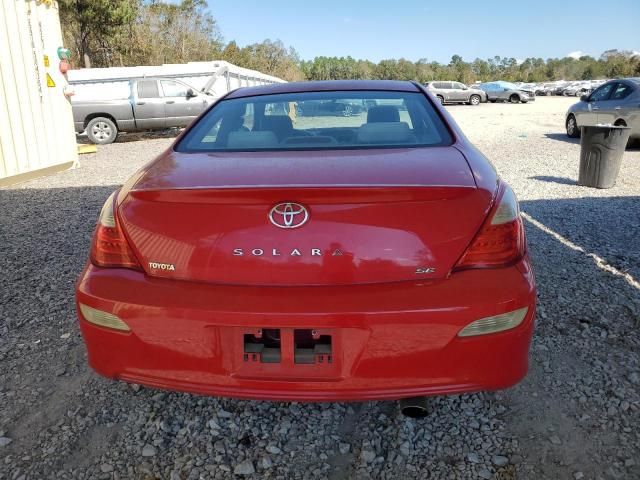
column 575, row 416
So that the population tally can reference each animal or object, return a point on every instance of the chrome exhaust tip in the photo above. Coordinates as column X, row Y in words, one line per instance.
column 416, row 407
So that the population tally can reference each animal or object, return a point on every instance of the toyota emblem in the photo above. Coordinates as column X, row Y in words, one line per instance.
column 288, row 215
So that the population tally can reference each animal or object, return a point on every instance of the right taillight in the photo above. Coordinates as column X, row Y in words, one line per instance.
column 500, row 241
column 110, row 247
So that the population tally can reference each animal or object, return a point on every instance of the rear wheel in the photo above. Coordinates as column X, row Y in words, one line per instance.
column 514, row 98
column 348, row 111
column 572, row 127
column 441, row 99
column 102, row 130
column 474, row 100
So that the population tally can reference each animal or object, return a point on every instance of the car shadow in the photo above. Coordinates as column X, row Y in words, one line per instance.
column 125, row 137
column 552, row 179
column 635, row 147
column 562, row 137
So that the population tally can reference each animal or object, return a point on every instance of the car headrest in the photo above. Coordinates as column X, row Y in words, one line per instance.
column 383, row 113
column 243, row 139
column 277, row 123
column 234, row 123
column 384, row 132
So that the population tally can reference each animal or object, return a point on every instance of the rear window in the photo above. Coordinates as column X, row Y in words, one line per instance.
column 318, row 120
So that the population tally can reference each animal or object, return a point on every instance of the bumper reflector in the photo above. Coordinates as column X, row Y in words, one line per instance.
column 102, row 319
column 497, row 323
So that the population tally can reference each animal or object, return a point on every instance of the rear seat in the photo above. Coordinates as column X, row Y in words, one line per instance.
column 384, row 132
column 383, row 113
column 384, row 126
column 245, row 139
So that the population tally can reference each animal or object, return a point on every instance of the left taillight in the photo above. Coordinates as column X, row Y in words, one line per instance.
column 110, row 247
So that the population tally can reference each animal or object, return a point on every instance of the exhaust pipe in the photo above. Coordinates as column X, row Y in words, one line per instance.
column 416, row 407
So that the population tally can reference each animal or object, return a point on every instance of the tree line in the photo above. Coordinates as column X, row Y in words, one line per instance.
column 103, row 33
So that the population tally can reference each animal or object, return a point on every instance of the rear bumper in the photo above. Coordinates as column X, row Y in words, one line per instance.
column 389, row 341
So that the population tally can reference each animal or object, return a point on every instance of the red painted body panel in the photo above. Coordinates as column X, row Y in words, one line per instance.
column 194, row 211
column 393, row 333
column 432, row 166
column 395, row 340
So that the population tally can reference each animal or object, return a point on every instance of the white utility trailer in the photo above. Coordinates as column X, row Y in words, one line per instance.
column 215, row 78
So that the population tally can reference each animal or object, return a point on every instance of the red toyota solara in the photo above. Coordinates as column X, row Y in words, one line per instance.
column 313, row 241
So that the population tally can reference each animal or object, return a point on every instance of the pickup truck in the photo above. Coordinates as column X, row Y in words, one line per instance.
column 153, row 103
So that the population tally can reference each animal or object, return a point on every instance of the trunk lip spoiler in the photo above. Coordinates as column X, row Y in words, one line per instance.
column 303, row 185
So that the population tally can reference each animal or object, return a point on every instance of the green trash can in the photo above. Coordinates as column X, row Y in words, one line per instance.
column 601, row 151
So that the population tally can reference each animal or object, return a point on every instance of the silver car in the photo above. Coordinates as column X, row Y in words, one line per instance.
column 456, row 92
column 507, row 92
column 578, row 89
column 616, row 102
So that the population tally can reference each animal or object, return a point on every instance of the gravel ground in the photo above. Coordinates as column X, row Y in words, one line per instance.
column 575, row 416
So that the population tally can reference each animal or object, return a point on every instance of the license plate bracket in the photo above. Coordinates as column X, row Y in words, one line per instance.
column 288, row 353
column 311, row 347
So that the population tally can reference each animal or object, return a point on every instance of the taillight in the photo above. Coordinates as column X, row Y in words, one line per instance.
column 110, row 247
column 500, row 241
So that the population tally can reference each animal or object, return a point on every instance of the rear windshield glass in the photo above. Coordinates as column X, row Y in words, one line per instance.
column 318, row 120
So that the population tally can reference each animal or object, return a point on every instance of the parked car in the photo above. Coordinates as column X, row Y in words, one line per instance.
column 345, row 108
column 528, row 87
column 153, row 103
column 616, row 102
column 506, row 92
column 456, row 92
column 318, row 259
column 566, row 86
column 544, row 89
column 577, row 89
column 560, row 88
column 396, row 103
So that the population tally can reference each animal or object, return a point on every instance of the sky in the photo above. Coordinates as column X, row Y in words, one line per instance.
column 435, row 30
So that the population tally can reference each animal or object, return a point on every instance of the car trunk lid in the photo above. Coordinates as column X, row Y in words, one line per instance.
column 373, row 216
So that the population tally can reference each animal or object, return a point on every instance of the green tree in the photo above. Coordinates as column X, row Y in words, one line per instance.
column 91, row 24
column 151, row 32
column 176, row 32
